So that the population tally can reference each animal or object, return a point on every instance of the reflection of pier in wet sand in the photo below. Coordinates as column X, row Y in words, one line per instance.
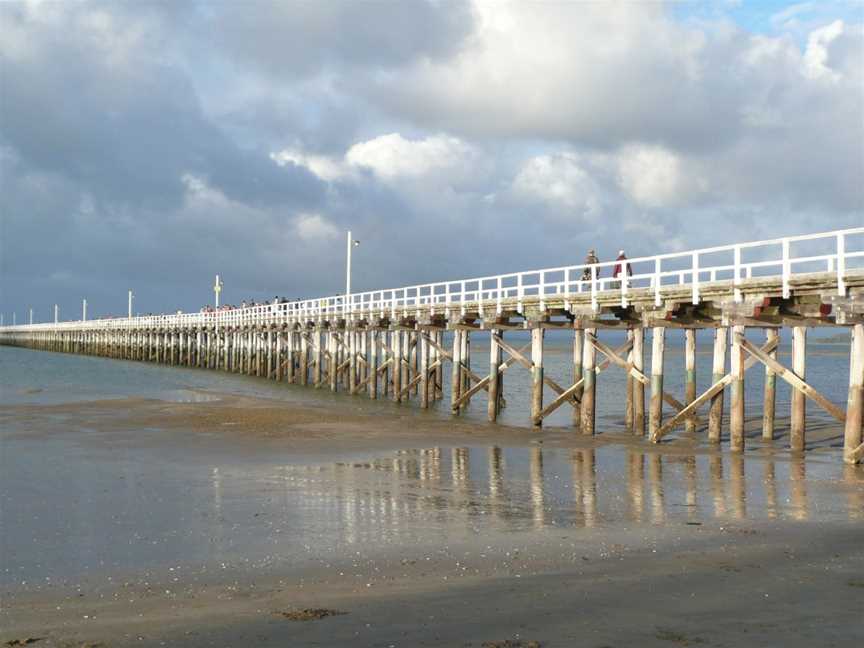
column 533, row 488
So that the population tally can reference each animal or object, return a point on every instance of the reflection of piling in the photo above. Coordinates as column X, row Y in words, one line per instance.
column 853, row 479
column 770, row 482
column 738, row 486
column 635, row 483
column 715, row 469
column 798, row 489
column 690, row 478
column 538, row 503
column 655, row 477
column 496, row 473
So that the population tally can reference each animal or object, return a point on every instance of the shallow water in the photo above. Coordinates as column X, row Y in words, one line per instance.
column 73, row 506
column 79, row 503
column 40, row 377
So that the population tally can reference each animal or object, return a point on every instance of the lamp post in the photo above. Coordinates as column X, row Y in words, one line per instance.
column 84, row 310
column 351, row 243
column 56, row 313
column 31, row 316
column 130, row 304
column 217, row 288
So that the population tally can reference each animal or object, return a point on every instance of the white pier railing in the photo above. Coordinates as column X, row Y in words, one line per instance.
column 837, row 252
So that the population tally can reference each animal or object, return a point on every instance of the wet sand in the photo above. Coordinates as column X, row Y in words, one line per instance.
column 147, row 523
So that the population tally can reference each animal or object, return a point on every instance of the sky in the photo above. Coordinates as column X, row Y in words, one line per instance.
column 152, row 145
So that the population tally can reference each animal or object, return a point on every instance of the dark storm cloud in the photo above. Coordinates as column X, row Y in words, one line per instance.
column 100, row 105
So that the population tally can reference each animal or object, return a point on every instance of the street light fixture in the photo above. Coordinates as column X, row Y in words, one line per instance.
column 130, row 304
column 351, row 244
column 217, row 288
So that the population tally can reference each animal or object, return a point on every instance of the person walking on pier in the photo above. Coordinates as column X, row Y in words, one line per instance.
column 590, row 260
column 622, row 268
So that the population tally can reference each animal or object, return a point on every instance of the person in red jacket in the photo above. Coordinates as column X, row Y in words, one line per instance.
column 621, row 268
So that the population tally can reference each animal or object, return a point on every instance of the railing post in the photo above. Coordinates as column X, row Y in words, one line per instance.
column 841, row 264
column 594, row 287
column 695, row 278
column 736, row 279
column 787, row 268
column 542, row 291
column 520, row 291
column 657, row 300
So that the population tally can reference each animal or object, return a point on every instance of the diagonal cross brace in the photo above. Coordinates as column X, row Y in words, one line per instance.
column 483, row 383
column 792, row 378
column 632, row 370
column 712, row 391
column 570, row 391
column 448, row 356
column 558, row 389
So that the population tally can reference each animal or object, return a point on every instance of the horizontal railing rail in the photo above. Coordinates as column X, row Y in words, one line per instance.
column 774, row 258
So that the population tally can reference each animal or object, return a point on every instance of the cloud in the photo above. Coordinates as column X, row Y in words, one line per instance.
column 323, row 166
column 653, row 176
column 560, row 180
column 155, row 145
column 392, row 157
column 315, row 227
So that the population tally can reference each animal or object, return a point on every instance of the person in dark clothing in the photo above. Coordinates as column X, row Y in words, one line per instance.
column 622, row 268
column 591, row 259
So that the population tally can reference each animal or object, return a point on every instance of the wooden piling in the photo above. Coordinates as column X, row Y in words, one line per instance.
column 690, row 375
column 456, row 371
column 578, row 340
column 304, row 356
column 423, row 353
column 374, row 352
column 396, row 340
column 589, row 385
column 638, row 387
column 655, row 416
column 736, row 388
column 466, row 364
column 852, row 437
column 536, row 375
column 715, row 414
column 769, row 391
column 799, row 400
column 628, row 392
column 494, row 375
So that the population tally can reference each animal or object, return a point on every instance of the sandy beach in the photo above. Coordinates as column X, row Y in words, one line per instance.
column 445, row 533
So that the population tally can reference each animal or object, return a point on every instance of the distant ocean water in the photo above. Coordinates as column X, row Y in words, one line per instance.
column 39, row 377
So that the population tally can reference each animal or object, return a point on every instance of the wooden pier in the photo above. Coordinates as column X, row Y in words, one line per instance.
column 391, row 343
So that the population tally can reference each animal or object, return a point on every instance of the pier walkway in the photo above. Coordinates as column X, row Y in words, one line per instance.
column 390, row 343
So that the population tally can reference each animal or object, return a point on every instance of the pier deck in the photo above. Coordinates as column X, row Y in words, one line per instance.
column 391, row 343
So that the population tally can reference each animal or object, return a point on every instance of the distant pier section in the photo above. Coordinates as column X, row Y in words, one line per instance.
column 391, row 343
